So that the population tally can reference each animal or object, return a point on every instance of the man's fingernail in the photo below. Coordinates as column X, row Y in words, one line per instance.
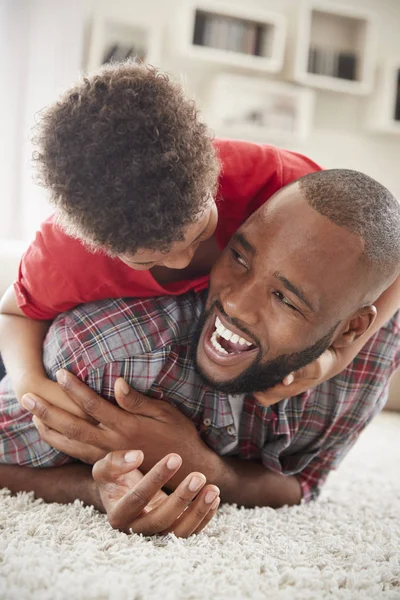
column 174, row 462
column 195, row 483
column 132, row 456
column 60, row 375
column 28, row 402
column 289, row 379
column 210, row 497
column 124, row 387
column 215, row 504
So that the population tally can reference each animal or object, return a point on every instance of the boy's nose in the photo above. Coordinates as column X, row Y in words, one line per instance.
column 179, row 261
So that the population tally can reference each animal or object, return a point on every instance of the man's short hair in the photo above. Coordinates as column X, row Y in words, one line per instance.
column 366, row 208
column 126, row 159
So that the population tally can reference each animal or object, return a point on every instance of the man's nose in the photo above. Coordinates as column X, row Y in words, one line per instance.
column 241, row 301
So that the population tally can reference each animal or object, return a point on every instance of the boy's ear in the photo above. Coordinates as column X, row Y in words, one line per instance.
column 355, row 327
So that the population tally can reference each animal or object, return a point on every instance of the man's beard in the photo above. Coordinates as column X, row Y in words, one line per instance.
column 259, row 377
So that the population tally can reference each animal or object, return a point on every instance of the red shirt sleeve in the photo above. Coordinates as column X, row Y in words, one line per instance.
column 58, row 272
column 250, row 175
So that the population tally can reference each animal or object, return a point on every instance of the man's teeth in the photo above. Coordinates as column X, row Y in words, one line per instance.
column 228, row 335
column 216, row 344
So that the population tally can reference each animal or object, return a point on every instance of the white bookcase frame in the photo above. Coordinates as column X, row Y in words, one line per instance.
column 275, row 22
column 109, row 27
column 382, row 104
column 306, row 34
column 259, row 110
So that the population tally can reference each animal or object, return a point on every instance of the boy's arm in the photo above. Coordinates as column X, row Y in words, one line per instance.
column 21, row 348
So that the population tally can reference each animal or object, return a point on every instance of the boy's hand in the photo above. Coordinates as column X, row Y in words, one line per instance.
column 135, row 502
column 50, row 391
column 302, row 380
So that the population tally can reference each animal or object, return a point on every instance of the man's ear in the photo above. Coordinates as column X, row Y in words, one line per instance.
column 354, row 328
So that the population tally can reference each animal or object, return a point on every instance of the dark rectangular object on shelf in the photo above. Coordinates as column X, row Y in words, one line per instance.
column 199, row 26
column 397, row 107
column 347, row 64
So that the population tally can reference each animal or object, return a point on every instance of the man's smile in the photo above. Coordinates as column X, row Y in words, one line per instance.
column 226, row 345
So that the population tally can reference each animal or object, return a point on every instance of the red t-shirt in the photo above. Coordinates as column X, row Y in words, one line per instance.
column 57, row 272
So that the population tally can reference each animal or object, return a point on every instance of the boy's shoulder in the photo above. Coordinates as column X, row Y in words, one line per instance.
column 124, row 328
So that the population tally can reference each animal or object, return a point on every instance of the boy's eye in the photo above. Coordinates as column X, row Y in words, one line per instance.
column 284, row 300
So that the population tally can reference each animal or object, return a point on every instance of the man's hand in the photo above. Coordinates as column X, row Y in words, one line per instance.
column 135, row 502
column 154, row 426
column 302, row 380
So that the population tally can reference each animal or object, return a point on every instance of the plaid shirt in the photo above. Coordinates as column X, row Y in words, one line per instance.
column 147, row 342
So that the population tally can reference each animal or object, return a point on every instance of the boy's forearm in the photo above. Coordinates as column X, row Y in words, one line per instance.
column 54, row 484
column 21, row 349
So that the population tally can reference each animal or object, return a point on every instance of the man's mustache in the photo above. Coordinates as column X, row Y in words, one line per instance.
column 236, row 322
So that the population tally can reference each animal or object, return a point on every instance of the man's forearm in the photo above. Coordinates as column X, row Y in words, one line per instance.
column 54, row 484
column 248, row 483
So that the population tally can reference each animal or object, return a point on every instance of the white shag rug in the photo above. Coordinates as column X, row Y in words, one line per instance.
column 345, row 545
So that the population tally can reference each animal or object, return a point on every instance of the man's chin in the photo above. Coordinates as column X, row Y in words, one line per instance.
column 242, row 384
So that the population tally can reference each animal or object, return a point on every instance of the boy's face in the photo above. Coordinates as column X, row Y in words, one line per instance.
column 180, row 253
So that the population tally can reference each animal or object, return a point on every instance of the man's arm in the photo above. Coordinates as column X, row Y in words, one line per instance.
column 133, row 501
column 153, row 426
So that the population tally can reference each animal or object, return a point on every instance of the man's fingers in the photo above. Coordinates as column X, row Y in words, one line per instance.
column 163, row 518
column 211, row 513
column 69, row 425
column 115, row 464
column 90, row 402
column 84, row 452
column 131, row 504
column 135, row 402
column 198, row 514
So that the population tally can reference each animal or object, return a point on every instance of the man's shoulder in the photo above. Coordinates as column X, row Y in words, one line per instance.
column 122, row 328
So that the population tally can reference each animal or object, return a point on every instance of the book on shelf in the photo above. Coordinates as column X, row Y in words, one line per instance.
column 332, row 63
column 230, row 33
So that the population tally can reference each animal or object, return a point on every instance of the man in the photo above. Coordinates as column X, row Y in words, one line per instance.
column 300, row 276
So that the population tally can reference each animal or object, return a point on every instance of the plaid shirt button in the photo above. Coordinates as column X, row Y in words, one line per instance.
column 231, row 430
column 207, row 422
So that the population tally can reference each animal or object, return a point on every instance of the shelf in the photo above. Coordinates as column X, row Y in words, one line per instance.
column 258, row 110
column 384, row 105
column 113, row 40
column 232, row 36
column 334, row 48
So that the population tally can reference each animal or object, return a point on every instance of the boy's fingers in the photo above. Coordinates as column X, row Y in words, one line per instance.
column 197, row 515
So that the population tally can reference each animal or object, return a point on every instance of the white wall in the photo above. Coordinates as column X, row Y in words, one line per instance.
column 41, row 46
column 339, row 137
column 41, row 49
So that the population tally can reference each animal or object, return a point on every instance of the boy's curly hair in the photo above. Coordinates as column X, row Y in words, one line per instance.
column 126, row 159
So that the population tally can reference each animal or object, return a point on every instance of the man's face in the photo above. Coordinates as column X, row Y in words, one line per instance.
column 277, row 295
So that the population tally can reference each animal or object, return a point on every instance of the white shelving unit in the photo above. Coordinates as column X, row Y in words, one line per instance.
column 384, row 106
column 334, row 47
column 229, row 35
column 116, row 37
column 259, row 110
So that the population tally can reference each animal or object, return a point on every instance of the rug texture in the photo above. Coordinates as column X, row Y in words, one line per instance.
column 346, row 545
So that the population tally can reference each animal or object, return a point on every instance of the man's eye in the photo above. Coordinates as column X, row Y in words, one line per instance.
column 284, row 300
column 238, row 258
